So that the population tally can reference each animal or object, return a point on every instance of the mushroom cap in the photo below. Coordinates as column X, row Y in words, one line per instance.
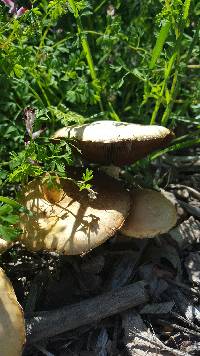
column 76, row 223
column 12, row 328
column 151, row 214
column 118, row 143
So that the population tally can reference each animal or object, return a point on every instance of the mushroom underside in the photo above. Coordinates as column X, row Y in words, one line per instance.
column 119, row 153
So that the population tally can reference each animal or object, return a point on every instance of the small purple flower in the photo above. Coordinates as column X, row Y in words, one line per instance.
column 29, row 118
column 21, row 11
column 13, row 8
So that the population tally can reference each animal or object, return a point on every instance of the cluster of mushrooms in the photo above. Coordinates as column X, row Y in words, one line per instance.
column 70, row 222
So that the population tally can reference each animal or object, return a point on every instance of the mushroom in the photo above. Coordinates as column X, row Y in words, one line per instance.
column 151, row 214
column 118, row 143
column 12, row 328
column 76, row 223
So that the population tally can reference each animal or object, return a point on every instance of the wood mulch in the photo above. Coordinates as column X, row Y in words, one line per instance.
column 126, row 297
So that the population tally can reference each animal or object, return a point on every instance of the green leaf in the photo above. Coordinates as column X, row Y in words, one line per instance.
column 88, row 175
column 11, row 219
column 186, row 7
column 9, row 233
column 18, row 70
column 160, row 43
column 5, row 209
column 10, row 201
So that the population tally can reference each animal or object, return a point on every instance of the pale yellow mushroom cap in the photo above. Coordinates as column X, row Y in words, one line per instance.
column 75, row 224
column 151, row 214
column 118, row 143
column 12, row 329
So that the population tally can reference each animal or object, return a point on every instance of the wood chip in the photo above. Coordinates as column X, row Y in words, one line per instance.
column 139, row 340
column 192, row 264
column 186, row 233
column 193, row 210
column 184, row 304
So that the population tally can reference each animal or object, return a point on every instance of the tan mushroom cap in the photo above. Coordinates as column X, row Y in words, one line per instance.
column 76, row 223
column 151, row 214
column 118, row 143
column 12, row 329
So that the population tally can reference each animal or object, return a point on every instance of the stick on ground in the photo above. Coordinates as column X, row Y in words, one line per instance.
column 49, row 323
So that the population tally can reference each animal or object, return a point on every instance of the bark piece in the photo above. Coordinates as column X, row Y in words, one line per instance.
column 47, row 324
column 157, row 308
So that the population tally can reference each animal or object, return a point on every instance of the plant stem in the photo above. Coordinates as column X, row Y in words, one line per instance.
column 176, row 85
column 85, row 44
column 177, row 146
column 175, row 58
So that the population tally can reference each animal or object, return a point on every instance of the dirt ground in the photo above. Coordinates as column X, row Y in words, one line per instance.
column 126, row 297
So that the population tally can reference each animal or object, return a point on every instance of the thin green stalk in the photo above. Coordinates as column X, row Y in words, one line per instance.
column 84, row 41
column 85, row 44
column 175, row 58
column 113, row 113
column 100, row 5
column 166, row 78
column 177, row 146
column 175, row 84
column 172, row 92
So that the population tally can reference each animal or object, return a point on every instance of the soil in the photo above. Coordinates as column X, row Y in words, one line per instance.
column 161, row 318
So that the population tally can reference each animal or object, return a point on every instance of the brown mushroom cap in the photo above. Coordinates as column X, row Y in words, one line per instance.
column 12, row 329
column 151, row 214
column 76, row 223
column 118, row 143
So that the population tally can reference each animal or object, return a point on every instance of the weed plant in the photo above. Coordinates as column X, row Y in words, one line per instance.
column 66, row 62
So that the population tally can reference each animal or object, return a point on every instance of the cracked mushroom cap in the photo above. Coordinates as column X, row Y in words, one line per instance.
column 117, row 143
column 76, row 223
column 151, row 214
column 12, row 329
